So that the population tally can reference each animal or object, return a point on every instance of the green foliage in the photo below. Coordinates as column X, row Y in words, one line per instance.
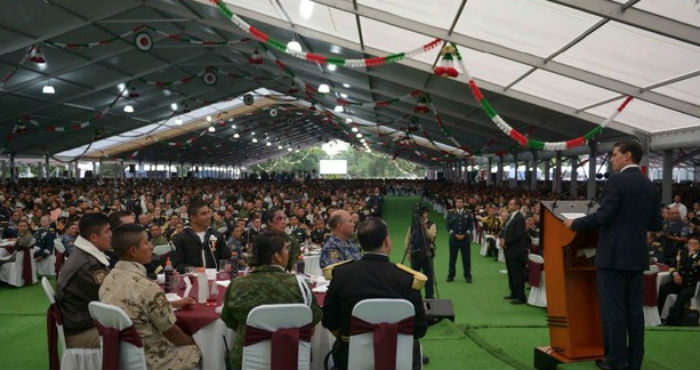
column 360, row 164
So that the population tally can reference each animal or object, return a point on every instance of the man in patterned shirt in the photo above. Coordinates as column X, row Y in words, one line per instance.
column 126, row 286
column 339, row 246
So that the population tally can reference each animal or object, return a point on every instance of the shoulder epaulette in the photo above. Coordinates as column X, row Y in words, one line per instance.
column 328, row 270
column 419, row 279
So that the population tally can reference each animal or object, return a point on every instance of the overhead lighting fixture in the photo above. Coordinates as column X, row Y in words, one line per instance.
column 178, row 121
column 121, row 87
column 252, row 133
column 268, row 144
column 332, row 67
column 48, row 89
column 129, row 108
column 354, row 129
column 289, row 149
column 348, row 120
column 338, row 109
column 208, row 118
column 280, row 147
column 359, row 135
column 212, row 129
column 335, row 49
column 233, row 127
column 167, row 92
column 173, row 106
column 344, row 95
column 236, row 136
column 306, row 9
column 294, row 46
column 255, row 140
column 324, row 89
column 346, row 85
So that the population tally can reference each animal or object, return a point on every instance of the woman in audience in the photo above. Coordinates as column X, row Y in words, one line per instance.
column 267, row 284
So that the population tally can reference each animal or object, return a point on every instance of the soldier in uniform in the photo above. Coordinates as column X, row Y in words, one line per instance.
column 340, row 246
column 320, row 233
column 421, row 259
column 460, row 224
column 252, row 232
column 277, row 222
column 166, row 346
column 492, row 227
column 80, row 279
column 44, row 236
column 374, row 276
column 266, row 284
column 685, row 279
column 375, row 203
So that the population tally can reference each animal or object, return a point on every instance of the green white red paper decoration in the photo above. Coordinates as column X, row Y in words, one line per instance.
column 14, row 70
column 255, row 58
column 522, row 139
column 36, row 56
column 143, row 41
column 446, row 67
column 317, row 58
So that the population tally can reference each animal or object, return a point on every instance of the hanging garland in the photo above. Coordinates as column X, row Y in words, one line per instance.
column 76, row 127
column 14, row 70
column 317, row 58
column 519, row 137
column 141, row 30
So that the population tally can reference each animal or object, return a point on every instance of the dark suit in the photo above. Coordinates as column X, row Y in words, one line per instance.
column 517, row 244
column 374, row 276
column 189, row 249
column 460, row 222
column 629, row 208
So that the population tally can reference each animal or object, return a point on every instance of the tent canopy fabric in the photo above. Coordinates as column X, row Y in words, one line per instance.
column 552, row 69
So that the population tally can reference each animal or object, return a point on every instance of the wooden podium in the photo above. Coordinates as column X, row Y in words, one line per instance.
column 573, row 314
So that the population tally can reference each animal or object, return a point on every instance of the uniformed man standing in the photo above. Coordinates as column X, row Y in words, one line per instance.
column 374, row 276
column 80, row 279
column 166, row 346
column 420, row 248
column 685, row 279
column 460, row 224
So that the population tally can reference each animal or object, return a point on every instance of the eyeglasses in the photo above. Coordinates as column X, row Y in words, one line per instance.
column 280, row 218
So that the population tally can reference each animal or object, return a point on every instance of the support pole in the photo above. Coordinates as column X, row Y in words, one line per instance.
column 533, row 171
column 592, row 163
column 556, row 183
column 573, row 180
column 667, row 179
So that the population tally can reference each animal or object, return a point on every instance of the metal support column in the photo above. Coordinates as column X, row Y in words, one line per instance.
column 592, row 163
column 499, row 174
column 533, row 172
column 667, row 177
column 573, row 180
column 556, row 182
column 13, row 175
column 489, row 182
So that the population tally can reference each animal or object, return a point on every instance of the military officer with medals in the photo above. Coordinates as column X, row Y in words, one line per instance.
column 460, row 224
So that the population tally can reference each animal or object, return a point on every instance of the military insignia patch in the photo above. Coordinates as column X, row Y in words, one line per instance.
column 99, row 276
column 335, row 254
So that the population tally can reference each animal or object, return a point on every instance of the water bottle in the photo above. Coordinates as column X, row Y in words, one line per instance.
column 168, row 272
column 234, row 265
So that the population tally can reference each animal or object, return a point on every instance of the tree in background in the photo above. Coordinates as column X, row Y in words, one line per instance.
column 361, row 164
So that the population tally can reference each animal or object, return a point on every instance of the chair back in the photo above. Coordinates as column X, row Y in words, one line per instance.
column 536, row 258
column 160, row 250
column 51, row 296
column 653, row 269
column 131, row 357
column 272, row 318
column 361, row 354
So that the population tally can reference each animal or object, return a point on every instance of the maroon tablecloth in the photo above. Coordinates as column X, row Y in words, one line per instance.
column 649, row 294
column 199, row 316
column 535, row 273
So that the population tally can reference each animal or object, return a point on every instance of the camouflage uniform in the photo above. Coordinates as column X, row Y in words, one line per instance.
column 144, row 302
column 335, row 250
column 44, row 242
column 265, row 285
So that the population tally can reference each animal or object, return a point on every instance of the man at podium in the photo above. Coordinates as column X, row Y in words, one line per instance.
column 630, row 207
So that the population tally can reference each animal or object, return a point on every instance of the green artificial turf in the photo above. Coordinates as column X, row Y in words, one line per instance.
column 488, row 333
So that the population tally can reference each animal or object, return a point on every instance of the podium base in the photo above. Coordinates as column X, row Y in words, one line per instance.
column 547, row 359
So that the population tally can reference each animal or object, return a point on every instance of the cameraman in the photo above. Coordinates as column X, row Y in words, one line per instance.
column 420, row 247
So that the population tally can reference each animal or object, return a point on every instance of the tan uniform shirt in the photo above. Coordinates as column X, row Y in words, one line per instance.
column 144, row 302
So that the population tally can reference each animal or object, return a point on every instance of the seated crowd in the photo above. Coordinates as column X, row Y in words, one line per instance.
column 109, row 229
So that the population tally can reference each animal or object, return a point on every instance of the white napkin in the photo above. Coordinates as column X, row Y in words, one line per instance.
column 188, row 286
column 223, row 283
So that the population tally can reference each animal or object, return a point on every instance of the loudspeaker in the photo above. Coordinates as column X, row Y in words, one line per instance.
column 438, row 309
column 132, row 168
column 273, row 112
column 248, row 99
